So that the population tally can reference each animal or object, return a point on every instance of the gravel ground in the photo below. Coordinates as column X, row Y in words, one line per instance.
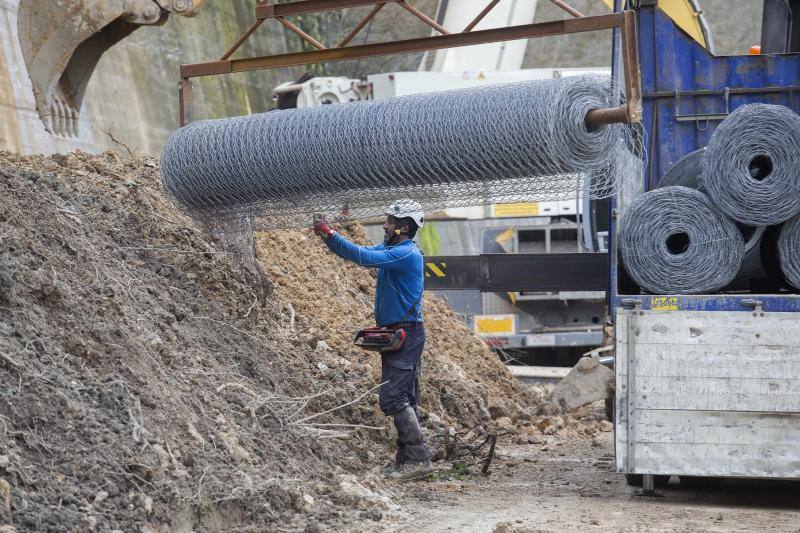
column 573, row 486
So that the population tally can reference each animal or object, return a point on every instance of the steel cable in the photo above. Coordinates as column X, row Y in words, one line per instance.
column 751, row 169
column 506, row 143
column 673, row 240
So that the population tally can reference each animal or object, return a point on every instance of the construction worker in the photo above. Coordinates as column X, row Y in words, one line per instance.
column 398, row 304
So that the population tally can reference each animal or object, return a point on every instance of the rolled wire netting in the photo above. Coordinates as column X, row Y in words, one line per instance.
column 686, row 172
column 673, row 240
column 789, row 251
column 751, row 168
column 507, row 143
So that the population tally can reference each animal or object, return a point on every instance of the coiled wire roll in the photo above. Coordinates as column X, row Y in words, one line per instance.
column 673, row 240
column 751, row 169
column 505, row 143
column 789, row 251
column 756, row 264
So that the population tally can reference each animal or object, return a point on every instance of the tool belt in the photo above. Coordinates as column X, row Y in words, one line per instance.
column 380, row 339
column 385, row 338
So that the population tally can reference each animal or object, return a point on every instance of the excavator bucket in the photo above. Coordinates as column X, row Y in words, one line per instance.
column 62, row 42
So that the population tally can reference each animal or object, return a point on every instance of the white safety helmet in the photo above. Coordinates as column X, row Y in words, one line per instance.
column 405, row 207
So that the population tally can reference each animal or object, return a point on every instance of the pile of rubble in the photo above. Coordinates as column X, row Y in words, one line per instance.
column 148, row 386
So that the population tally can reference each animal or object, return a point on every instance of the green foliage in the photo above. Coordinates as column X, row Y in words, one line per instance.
column 459, row 472
column 429, row 241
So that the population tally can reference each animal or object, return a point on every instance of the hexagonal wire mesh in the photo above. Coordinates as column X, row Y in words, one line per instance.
column 499, row 144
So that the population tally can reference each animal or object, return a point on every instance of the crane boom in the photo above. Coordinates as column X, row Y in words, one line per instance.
column 456, row 15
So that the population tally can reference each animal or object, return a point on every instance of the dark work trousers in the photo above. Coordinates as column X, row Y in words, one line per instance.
column 401, row 369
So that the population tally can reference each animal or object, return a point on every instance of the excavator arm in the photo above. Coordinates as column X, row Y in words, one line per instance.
column 62, row 42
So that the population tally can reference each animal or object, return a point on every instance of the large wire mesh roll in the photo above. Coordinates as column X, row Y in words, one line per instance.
column 515, row 142
column 751, row 169
column 673, row 240
column 789, row 251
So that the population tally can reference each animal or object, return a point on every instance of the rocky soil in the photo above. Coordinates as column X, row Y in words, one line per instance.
column 146, row 386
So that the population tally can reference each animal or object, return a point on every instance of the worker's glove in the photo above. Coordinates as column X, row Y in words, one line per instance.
column 322, row 228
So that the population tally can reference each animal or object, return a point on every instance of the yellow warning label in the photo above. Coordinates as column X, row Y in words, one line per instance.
column 519, row 209
column 438, row 270
column 664, row 303
column 495, row 324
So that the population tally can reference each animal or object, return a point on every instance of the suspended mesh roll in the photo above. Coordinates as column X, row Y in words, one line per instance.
column 673, row 240
column 751, row 169
column 789, row 251
column 515, row 142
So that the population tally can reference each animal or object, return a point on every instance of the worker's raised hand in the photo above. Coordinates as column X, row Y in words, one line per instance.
column 321, row 227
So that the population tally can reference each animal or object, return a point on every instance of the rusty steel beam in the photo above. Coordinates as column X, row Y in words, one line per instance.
column 360, row 25
column 423, row 17
column 568, row 8
column 481, row 16
column 631, row 67
column 269, row 11
column 303, row 35
column 630, row 112
column 511, row 33
column 246, row 35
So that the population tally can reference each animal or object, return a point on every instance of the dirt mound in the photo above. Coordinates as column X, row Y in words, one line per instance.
column 146, row 388
column 463, row 384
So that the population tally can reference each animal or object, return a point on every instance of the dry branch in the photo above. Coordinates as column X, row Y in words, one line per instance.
column 306, row 419
column 9, row 360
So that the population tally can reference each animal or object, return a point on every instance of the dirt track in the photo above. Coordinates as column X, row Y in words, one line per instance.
column 574, row 487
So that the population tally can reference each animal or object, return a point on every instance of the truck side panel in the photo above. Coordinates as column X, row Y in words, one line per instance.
column 708, row 393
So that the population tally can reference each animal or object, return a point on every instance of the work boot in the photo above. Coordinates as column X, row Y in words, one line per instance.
column 411, row 471
column 411, row 450
column 390, row 467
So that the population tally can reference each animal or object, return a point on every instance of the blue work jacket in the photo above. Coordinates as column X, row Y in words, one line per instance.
column 400, row 277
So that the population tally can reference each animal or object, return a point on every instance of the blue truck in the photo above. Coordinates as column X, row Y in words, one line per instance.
column 707, row 385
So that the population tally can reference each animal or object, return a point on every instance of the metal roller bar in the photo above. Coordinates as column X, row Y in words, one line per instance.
column 599, row 117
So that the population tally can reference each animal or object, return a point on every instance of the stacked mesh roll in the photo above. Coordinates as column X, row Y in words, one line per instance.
column 751, row 171
column 750, row 177
column 751, row 168
column 789, row 251
column 514, row 142
column 674, row 240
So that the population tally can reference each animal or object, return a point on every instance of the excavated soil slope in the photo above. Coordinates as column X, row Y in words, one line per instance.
column 143, row 387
